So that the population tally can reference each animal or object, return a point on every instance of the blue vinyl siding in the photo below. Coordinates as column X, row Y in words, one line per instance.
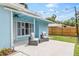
column 5, row 17
column 43, row 27
column 40, row 26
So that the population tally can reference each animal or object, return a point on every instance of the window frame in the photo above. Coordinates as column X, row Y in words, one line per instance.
column 29, row 28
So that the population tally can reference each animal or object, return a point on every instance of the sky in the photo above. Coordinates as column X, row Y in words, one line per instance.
column 63, row 11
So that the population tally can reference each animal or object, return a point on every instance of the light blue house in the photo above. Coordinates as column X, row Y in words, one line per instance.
column 16, row 24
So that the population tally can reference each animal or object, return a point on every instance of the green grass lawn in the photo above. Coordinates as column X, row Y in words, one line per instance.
column 76, row 50
column 64, row 38
column 67, row 39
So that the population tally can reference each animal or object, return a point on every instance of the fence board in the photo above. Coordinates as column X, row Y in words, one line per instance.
column 68, row 31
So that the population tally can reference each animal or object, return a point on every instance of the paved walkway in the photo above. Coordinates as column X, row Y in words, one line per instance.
column 49, row 48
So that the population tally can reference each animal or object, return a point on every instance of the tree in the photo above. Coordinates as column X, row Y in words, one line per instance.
column 52, row 18
column 57, row 21
column 70, row 22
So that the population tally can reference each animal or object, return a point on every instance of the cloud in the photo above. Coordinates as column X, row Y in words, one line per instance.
column 51, row 5
column 51, row 9
column 65, row 16
column 41, row 12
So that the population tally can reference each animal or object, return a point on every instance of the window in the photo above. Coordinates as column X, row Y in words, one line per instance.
column 23, row 28
column 19, row 27
column 26, row 28
column 22, row 24
column 18, row 24
column 22, row 31
column 30, row 29
column 26, row 25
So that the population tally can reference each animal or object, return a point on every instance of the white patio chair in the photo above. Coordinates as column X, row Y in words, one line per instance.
column 33, row 40
column 44, row 37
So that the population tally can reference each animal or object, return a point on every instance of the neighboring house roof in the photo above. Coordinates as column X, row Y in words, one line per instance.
column 60, row 25
column 20, row 9
column 55, row 25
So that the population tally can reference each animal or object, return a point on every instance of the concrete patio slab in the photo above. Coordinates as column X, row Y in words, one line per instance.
column 49, row 48
column 17, row 54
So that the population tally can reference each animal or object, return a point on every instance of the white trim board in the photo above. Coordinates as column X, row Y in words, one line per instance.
column 11, row 22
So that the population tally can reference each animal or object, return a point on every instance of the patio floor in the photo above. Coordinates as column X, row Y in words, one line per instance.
column 49, row 48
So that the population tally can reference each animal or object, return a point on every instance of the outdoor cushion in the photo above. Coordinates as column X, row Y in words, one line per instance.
column 32, row 36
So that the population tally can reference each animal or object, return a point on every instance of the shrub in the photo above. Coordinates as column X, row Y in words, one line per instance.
column 1, row 54
column 6, row 51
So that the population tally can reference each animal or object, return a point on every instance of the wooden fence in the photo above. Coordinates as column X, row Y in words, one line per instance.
column 67, row 31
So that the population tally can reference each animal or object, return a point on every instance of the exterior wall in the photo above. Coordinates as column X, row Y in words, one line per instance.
column 43, row 27
column 5, row 18
column 40, row 26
